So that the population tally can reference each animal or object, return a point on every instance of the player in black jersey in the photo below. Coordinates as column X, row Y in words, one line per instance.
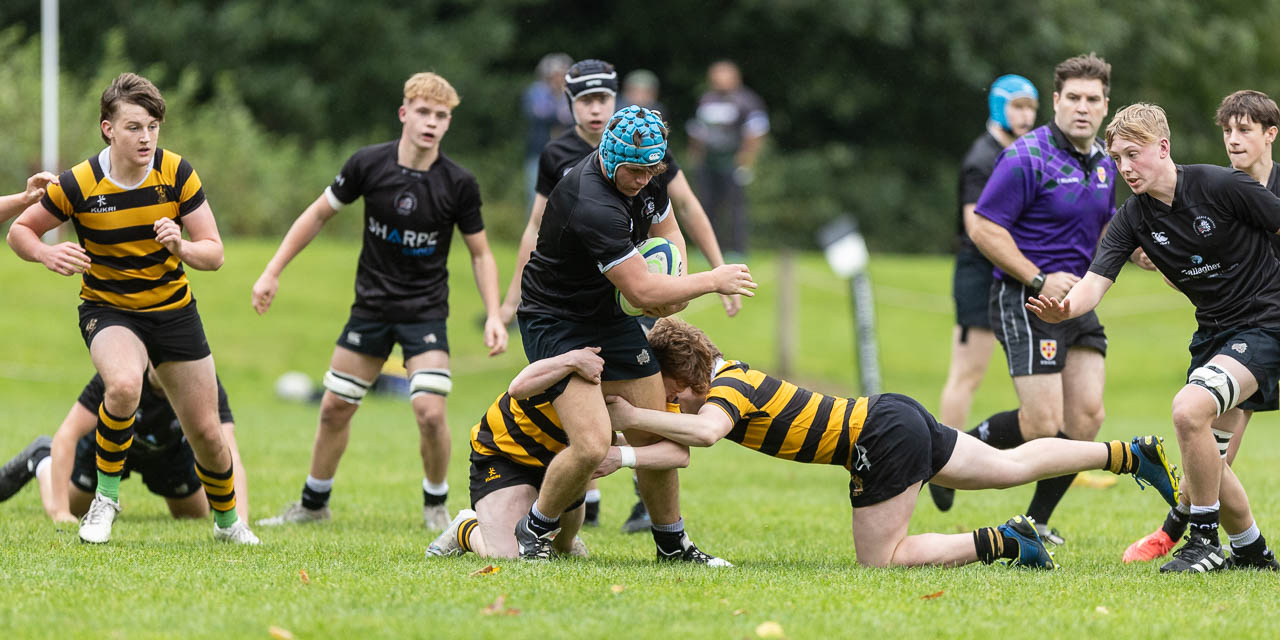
column 591, row 87
column 1209, row 231
column 414, row 196
column 1249, row 122
column 1011, row 108
column 14, row 204
column 888, row 442
column 596, row 216
column 160, row 454
column 131, row 204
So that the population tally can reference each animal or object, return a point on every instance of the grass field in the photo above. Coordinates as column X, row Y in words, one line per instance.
column 785, row 525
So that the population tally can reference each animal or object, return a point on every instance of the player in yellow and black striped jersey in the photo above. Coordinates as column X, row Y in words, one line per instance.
column 130, row 205
column 889, row 443
column 511, row 447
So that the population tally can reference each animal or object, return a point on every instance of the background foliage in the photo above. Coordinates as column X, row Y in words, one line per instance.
column 873, row 102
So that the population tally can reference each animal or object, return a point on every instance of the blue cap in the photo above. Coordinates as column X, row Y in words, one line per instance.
column 634, row 135
column 1004, row 90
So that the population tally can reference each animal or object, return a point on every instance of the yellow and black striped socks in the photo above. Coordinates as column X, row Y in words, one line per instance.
column 993, row 545
column 114, row 437
column 465, row 529
column 1120, row 457
column 220, row 488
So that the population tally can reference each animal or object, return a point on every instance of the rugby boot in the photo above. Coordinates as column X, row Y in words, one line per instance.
column 1050, row 535
column 1266, row 561
column 531, row 545
column 690, row 553
column 447, row 543
column 237, row 533
column 435, row 516
column 638, row 520
column 1149, row 547
column 943, row 497
column 1031, row 550
column 1153, row 467
column 19, row 470
column 95, row 526
column 1198, row 555
column 295, row 513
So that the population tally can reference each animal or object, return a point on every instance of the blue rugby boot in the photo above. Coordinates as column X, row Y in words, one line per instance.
column 1153, row 467
column 1031, row 550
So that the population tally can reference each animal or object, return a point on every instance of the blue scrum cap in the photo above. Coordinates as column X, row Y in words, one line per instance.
column 634, row 135
column 1004, row 90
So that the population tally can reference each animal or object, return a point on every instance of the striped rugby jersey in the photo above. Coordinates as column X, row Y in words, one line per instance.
column 129, row 269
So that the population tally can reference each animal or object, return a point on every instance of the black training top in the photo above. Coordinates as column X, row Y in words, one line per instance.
column 155, row 427
column 1214, row 244
column 559, row 156
column 409, row 216
column 588, row 228
column 976, row 169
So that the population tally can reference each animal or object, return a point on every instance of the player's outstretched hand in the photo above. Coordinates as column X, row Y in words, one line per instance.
column 621, row 413
column 587, row 363
column 612, row 462
column 732, row 304
column 264, row 291
column 734, row 279
column 1049, row 309
column 495, row 335
column 36, row 185
column 169, row 234
column 65, row 259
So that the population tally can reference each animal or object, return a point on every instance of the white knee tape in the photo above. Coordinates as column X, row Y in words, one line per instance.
column 1219, row 383
column 1224, row 441
column 345, row 386
column 435, row 381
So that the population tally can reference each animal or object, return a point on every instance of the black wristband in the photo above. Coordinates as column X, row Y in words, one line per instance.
column 1037, row 283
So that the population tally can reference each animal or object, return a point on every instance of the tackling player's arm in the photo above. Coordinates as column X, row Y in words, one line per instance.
column 12, row 205
column 204, row 250
column 64, row 258
column 689, row 209
column 300, row 234
column 78, row 423
column 541, row 375
column 663, row 454
column 528, row 241
column 485, row 269
column 701, row 429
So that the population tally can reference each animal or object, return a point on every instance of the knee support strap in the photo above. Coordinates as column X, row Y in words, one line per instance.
column 345, row 386
column 435, row 381
column 1219, row 383
column 1224, row 440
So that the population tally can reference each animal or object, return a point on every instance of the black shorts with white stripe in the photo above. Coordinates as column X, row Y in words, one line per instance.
column 1031, row 345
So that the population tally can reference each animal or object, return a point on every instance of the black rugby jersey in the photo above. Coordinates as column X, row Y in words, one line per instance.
column 1214, row 244
column 155, row 428
column 129, row 268
column 976, row 169
column 409, row 217
column 588, row 228
column 559, row 156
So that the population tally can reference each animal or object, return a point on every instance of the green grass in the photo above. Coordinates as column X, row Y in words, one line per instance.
column 785, row 525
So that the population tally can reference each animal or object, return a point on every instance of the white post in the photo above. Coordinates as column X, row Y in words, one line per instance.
column 49, row 92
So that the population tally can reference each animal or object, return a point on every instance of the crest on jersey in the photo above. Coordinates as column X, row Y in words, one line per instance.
column 406, row 203
column 1204, row 226
column 1048, row 349
column 1102, row 174
column 649, row 206
column 161, row 196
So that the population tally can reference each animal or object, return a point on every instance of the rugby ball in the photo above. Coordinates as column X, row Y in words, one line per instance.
column 294, row 386
column 661, row 257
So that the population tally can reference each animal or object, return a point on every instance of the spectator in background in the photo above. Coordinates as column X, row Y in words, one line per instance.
column 640, row 87
column 725, row 136
column 548, row 115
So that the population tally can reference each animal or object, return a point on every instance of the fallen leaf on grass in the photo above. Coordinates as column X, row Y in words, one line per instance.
column 302, row 575
column 1103, row 610
column 488, row 570
column 738, row 612
column 770, row 629
column 617, row 588
column 280, row 633
column 936, row 594
column 499, row 608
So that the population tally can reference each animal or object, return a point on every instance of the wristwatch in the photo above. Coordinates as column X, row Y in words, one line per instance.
column 1037, row 283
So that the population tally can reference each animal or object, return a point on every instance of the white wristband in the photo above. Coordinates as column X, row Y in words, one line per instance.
column 628, row 456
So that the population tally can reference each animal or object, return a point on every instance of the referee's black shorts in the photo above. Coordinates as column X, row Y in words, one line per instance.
column 1031, row 345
